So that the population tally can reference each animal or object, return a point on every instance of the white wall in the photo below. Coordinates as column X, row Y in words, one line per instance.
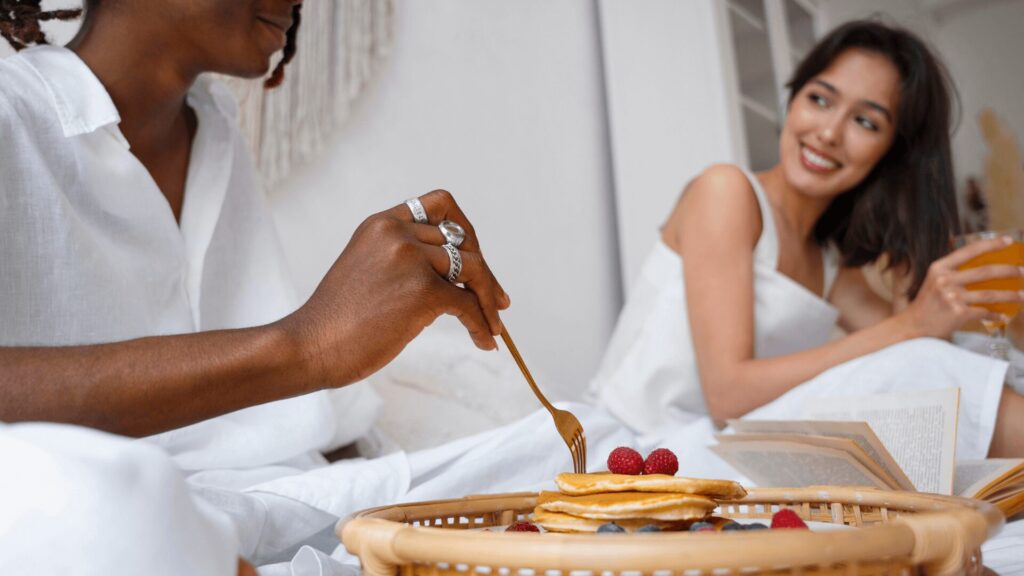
column 501, row 103
column 667, row 106
column 984, row 50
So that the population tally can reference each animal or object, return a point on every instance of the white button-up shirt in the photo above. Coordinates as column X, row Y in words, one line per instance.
column 90, row 251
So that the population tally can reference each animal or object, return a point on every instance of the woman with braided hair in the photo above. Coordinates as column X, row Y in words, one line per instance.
column 19, row 21
column 20, row 26
column 142, row 287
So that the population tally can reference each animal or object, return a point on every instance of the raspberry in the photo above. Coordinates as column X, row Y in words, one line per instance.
column 661, row 461
column 522, row 526
column 625, row 460
column 786, row 518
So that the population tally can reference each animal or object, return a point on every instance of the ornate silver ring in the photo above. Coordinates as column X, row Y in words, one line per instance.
column 452, row 232
column 455, row 262
column 418, row 212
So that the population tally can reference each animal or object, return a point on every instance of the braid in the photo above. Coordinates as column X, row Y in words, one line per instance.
column 277, row 77
column 19, row 21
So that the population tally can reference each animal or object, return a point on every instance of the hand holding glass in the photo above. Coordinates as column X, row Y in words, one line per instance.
column 1012, row 254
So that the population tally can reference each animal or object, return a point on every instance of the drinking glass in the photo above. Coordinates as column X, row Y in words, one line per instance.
column 999, row 345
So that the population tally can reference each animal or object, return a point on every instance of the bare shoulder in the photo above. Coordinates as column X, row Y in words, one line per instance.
column 721, row 175
column 719, row 201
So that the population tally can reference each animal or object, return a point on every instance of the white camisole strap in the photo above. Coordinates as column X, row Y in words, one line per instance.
column 830, row 258
column 766, row 251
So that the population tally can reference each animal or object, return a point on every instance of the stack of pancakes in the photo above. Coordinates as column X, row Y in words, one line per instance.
column 586, row 501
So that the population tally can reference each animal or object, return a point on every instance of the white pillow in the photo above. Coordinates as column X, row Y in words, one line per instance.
column 356, row 409
column 441, row 387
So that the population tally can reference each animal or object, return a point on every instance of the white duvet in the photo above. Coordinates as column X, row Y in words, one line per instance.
column 296, row 509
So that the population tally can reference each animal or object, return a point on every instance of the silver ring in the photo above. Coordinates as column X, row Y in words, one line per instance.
column 452, row 232
column 455, row 261
column 419, row 214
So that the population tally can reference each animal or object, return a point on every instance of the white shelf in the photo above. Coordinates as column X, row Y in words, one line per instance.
column 765, row 54
column 940, row 9
column 750, row 18
column 759, row 109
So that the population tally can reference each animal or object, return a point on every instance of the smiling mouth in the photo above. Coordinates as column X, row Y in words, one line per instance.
column 817, row 161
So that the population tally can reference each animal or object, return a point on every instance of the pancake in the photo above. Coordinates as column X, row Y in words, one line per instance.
column 559, row 522
column 620, row 505
column 583, row 484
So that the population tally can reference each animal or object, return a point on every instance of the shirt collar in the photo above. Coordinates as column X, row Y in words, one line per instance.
column 82, row 103
column 208, row 91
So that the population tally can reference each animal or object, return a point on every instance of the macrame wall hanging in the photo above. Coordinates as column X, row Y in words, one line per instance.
column 341, row 44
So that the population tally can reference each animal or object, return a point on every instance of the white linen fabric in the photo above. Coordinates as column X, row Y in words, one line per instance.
column 77, row 501
column 441, row 388
column 527, row 455
column 981, row 343
column 920, row 364
column 1004, row 554
column 649, row 378
column 90, row 251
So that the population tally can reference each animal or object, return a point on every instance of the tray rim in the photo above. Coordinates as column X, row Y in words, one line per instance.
column 943, row 532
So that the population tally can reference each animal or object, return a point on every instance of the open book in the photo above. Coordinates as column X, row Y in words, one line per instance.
column 888, row 442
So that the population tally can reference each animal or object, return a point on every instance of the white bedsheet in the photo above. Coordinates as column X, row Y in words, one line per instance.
column 481, row 464
column 1005, row 553
column 284, row 513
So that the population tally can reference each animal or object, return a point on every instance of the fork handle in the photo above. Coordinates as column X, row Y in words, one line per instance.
column 526, row 371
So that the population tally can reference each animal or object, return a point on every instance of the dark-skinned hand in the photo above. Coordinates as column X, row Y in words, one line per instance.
column 388, row 285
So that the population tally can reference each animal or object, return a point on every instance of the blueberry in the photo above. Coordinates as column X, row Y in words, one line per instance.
column 610, row 527
column 648, row 528
column 698, row 526
column 733, row 526
column 755, row 526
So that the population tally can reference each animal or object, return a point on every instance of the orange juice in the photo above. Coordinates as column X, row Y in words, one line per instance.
column 1013, row 255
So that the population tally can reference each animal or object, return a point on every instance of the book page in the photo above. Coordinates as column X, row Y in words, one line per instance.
column 1010, row 501
column 858, row 432
column 979, row 478
column 841, row 444
column 974, row 475
column 792, row 464
column 918, row 429
column 1006, row 492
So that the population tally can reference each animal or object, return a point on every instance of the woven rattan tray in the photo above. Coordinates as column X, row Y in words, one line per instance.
column 899, row 533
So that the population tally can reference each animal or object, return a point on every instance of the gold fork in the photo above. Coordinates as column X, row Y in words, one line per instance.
column 568, row 426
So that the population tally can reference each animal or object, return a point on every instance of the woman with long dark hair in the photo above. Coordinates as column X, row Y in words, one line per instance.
column 739, row 301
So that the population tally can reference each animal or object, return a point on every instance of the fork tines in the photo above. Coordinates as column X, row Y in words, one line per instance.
column 578, row 448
